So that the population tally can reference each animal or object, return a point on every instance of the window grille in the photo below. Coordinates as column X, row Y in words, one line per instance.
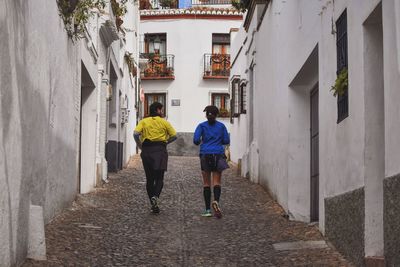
column 235, row 97
column 242, row 98
column 221, row 101
column 342, row 56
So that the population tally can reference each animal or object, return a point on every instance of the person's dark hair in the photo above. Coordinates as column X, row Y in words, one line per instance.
column 154, row 107
column 211, row 110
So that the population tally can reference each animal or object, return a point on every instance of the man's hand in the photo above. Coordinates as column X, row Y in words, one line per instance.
column 171, row 139
column 136, row 136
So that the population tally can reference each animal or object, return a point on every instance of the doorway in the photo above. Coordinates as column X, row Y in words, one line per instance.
column 314, row 156
column 87, row 140
column 303, row 145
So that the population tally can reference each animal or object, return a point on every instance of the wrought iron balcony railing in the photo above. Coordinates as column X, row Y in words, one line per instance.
column 211, row 2
column 170, row 4
column 158, row 67
column 216, row 66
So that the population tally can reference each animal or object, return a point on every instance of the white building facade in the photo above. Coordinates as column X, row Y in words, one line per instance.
column 330, row 159
column 54, row 102
column 188, row 62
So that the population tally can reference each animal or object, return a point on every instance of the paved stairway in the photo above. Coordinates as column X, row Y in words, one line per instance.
column 113, row 226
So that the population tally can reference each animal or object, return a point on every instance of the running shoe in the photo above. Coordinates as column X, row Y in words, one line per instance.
column 217, row 210
column 154, row 205
column 206, row 213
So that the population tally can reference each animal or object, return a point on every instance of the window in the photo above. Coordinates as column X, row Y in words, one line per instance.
column 341, row 50
column 221, row 101
column 155, row 43
column 242, row 98
column 160, row 65
column 221, row 43
column 235, row 97
column 217, row 64
column 150, row 99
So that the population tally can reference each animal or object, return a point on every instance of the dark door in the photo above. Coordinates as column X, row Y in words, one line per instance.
column 314, row 134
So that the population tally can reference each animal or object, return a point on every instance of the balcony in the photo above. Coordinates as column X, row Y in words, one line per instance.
column 216, row 66
column 158, row 67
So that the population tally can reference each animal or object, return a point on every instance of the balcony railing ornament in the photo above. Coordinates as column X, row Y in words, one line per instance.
column 216, row 66
column 220, row 58
column 159, row 66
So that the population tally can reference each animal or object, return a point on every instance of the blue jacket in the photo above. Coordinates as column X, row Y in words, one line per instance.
column 212, row 137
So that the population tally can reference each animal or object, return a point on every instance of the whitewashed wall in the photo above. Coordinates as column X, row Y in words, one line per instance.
column 131, row 83
column 239, row 133
column 295, row 49
column 39, row 119
column 188, row 40
column 391, row 11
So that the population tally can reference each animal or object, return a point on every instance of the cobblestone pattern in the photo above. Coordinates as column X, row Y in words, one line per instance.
column 114, row 227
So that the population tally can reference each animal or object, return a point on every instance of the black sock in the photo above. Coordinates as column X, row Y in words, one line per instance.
column 217, row 192
column 207, row 197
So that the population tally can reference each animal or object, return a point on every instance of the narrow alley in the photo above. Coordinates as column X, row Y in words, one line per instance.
column 113, row 226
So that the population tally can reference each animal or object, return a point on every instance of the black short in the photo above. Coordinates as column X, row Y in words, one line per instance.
column 213, row 162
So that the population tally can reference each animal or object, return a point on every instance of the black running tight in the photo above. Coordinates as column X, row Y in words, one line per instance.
column 154, row 182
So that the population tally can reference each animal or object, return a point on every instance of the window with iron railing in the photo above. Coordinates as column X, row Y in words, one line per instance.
column 160, row 65
column 342, row 62
column 221, row 101
column 242, row 98
column 217, row 64
column 235, row 107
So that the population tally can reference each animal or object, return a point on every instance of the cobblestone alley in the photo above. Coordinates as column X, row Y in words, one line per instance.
column 114, row 227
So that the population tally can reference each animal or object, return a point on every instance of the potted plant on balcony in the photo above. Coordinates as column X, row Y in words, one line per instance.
column 119, row 9
column 169, row 72
column 217, row 72
column 341, row 83
column 148, row 72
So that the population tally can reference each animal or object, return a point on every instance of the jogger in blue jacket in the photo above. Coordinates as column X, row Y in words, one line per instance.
column 212, row 135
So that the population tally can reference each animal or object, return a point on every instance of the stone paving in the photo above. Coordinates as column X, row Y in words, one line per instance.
column 113, row 226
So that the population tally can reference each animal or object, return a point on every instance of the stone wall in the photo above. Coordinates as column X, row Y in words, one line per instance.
column 344, row 224
column 183, row 146
column 391, row 215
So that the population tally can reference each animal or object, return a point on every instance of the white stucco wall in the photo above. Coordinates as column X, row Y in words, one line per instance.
column 131, row 83
column 284, row 76
column 40, row 105
column 188, row 40
column 39, row 119
column 391, row 32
